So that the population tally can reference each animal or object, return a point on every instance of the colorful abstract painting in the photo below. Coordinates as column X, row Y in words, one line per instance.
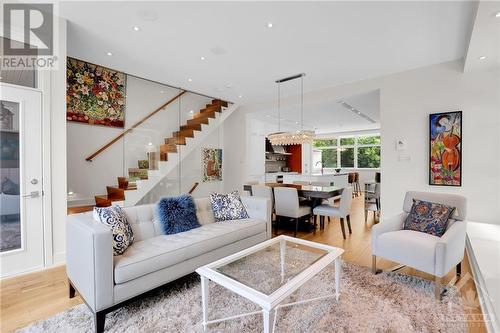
column 94, row 95
column 212, row 164
column 445, row 131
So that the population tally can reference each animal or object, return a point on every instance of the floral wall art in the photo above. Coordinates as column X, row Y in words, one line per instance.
column 212, row 164
column 445, row 131
column 95, row 95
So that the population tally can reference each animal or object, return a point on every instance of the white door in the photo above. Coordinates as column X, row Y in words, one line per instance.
column 21, row 244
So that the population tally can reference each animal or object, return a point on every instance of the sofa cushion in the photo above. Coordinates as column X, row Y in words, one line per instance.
column 115, row 218
column 162, row 251
column 399, row 246
column 431, row 218
column 177, row 214
column 228, row 206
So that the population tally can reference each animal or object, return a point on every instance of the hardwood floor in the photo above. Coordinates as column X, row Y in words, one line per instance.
column 39, row 295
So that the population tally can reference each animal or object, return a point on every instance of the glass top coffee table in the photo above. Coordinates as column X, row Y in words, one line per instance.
column 268, row 273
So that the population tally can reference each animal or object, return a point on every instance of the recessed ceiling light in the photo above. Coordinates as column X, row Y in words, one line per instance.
column 296, row 122
column 497, row 15
column 191, row 111
column 202, row 58
column 482, row 57
column 136, row 28
column 240, row 96
column 162, row 91
column 269, row 24
column 190, row 80
column 109, row 54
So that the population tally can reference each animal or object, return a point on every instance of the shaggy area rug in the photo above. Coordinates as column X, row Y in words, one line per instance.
column 388, row 302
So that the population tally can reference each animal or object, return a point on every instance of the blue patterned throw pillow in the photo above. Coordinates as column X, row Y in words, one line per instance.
column 431, row 218
column 228, row 206
column 177, row 214
column 115, row 218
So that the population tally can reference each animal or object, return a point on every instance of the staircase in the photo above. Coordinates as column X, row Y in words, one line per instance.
column 156, row 165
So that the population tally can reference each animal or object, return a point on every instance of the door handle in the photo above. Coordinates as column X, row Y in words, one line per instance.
column 32, row 195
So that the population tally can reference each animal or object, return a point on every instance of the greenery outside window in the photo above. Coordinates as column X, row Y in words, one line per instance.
column 360, row 151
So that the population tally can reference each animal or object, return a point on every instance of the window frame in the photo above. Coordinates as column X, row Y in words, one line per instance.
column 356, row 145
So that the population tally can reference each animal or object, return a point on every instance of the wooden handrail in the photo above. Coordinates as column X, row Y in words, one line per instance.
column 195, row 185
column 106, row 146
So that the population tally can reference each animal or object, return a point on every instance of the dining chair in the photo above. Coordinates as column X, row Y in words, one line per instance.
column 263, row 191
column 343, row 211
column 287, row 205
column 372, row 200
column 351, row 179
column 357, row 187
column 250, row 182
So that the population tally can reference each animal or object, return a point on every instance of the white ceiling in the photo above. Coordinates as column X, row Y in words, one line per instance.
column 329, row 116
column 333, row 42
column 485, row 38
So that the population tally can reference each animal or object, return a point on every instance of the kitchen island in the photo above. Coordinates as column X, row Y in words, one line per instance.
column 338, row 179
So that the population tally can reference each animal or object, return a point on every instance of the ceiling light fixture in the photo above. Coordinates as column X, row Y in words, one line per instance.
column 497, row 15
column 136, row 28
column 191, row 111
column 482, row 57
column 269, row 25
column 109, row 54
column 202, row 58
column 296, row 137
column 240, row 96
column 190, row 80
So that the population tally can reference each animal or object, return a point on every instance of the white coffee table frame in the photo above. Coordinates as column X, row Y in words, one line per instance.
column 269, row 303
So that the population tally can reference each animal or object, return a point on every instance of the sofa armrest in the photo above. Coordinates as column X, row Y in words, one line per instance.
column 394, row 223
column 450, row 248
column 259, row 208
column 89, row 260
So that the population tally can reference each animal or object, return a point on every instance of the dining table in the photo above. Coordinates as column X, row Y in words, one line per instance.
column 314, row 194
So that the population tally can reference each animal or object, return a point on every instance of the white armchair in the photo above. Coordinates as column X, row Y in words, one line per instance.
column 424, row 252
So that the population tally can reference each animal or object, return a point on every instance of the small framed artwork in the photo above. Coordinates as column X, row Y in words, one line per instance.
column 445, row 148
column 212, row 164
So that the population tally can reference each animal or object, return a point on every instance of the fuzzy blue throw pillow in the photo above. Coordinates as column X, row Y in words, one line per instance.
column 177, row 214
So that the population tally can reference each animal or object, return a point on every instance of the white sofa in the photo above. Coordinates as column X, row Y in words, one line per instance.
column 106, row 282
column 427, row 253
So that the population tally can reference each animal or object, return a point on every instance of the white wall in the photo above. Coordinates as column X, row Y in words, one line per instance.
column 54, row 99
column 90, row 178
column 407, row 99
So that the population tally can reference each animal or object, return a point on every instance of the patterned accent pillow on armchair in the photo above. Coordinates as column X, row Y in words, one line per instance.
column 228, row 206
column 431, row 218
column 115, row 218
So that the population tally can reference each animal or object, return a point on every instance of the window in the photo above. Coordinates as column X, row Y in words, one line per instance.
column 329, row 158
column 347, row 157
column 360, row 151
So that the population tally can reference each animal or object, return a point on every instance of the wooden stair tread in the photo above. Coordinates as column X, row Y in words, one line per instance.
column 184, row 133
column 194, row 127
column 199, row 120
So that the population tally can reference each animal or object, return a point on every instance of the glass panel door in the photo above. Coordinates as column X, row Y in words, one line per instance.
column 21, row 228
column 10, row 227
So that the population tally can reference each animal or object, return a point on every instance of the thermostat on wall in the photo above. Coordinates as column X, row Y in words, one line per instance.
column 400, row 144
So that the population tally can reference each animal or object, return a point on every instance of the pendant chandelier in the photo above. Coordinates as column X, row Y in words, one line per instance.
column 294, row 137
